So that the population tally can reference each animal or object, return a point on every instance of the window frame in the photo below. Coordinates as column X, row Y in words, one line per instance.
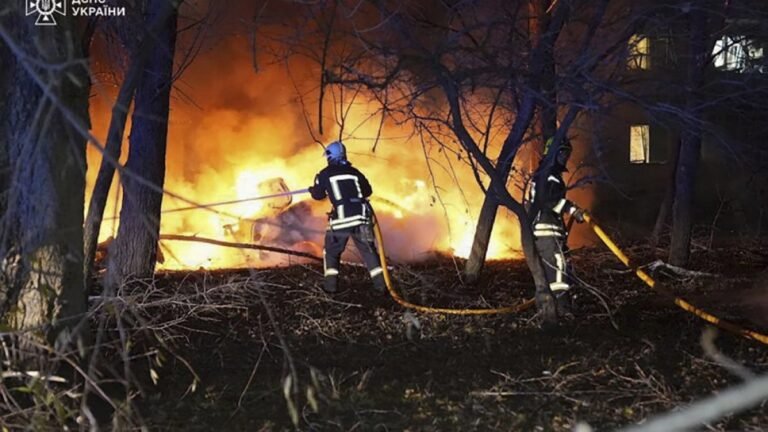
column 739, row 53
column 645, row 147
column 639, row 52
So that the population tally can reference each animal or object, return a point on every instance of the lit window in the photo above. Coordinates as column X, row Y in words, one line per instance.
column 639, row 144
column 738, row 53
column 639, row 53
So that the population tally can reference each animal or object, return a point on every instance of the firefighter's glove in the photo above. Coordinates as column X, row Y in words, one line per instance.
column 578, row 214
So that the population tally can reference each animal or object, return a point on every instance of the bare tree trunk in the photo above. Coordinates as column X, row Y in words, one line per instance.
column 482, row 239
column 544, row 299
column 106, row 171
column 682, row 208
column 666, row 205
column 5, row 168
column 487, row 217
column 6, row 78
column 545, row 302
column 691, row 138
column 542, row 67
column 548, row 107
column 41, row 285
column 114, row 142
column 498, row 190
column 135, row 248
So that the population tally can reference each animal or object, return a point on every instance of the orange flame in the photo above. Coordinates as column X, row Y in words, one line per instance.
column 251, row 128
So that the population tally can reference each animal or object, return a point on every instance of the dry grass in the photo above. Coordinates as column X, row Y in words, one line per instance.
column 260, row 350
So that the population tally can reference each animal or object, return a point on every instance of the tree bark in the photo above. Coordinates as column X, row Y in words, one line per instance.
column 691, row 138
column 498, row 190
column 488, row 211
column 547, row 119
column 483, row 230
column 666, row 205
column 542, row 64
column 114, row 142
column 682, row 208
column 135, row 248
column 41, row 280
column 5, row 59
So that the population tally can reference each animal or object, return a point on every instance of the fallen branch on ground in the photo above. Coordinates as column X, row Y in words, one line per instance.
column 679, row 271
column 659, row 264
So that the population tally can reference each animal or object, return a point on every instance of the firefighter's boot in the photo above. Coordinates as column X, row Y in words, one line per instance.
column 564, row 304
column 547, row 306
column 330, row 284
column 379, row 284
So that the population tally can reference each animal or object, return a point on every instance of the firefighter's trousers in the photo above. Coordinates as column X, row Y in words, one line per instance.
column 336, row 241
column 552, row 251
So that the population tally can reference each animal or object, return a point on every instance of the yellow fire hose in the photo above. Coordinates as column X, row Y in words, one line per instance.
column 437, row 310
column 645, row 277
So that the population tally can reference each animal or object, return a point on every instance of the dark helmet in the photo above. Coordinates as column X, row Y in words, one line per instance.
column 563, row 152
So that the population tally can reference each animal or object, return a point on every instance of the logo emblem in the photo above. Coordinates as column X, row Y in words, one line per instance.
column 46, row 10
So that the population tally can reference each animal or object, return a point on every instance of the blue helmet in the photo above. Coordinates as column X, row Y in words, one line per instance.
column 336, row 152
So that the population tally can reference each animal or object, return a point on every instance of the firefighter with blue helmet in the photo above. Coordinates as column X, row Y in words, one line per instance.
column 548, row 207
column 351, row 216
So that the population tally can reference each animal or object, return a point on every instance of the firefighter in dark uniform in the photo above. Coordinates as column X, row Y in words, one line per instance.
column 348, row 190
column 548, row 207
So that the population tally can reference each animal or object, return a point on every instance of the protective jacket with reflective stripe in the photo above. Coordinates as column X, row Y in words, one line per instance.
column 548, row 203
column 348, row 190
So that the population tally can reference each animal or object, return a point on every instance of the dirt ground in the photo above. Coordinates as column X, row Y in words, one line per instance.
column 364, row 363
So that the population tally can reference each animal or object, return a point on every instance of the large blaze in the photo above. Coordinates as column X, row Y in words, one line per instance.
column 244, row 134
